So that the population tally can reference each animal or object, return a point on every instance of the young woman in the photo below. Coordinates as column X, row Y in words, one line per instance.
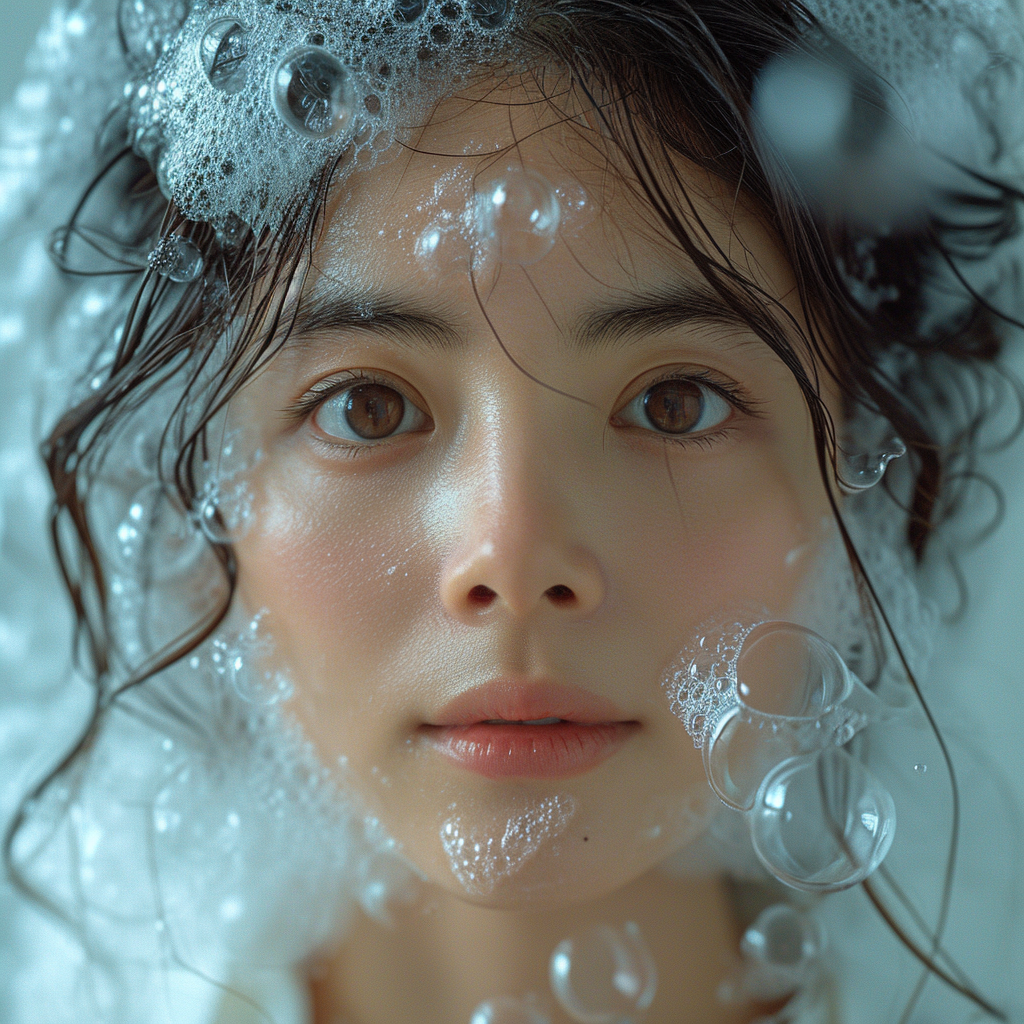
column 467, row 426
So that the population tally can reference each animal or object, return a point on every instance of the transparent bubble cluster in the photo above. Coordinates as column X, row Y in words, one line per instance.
column 702, row 681
column 604, row 975
column 242, row 660
column 771, row 706
column 237, row 109
column 508, row 216
column 481, row 860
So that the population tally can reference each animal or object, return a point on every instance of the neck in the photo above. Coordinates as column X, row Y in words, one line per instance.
column 443, row 957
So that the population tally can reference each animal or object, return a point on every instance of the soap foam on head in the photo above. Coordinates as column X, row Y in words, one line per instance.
column 242, row 100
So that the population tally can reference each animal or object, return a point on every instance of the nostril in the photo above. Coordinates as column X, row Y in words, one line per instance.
column 481, row 596
column 560, row 595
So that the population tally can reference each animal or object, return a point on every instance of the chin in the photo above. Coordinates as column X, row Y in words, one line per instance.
column 581, row 865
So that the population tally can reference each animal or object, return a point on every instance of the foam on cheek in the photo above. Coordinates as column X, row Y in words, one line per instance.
column 482, row 858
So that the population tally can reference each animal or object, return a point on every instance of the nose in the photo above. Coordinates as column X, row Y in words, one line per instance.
column 521, row 549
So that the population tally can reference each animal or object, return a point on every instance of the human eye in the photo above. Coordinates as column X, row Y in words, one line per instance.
column 682, row 405
column 358, row 410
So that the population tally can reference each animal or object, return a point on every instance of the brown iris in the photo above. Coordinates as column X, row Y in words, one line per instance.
column 674, row 406
column 373, row 410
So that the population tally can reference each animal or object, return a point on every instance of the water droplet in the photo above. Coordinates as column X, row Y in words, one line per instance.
column 408, row 11
column 223, row 51
column 176, row 258
column 489, row 13
column 603, row 975
column 857, row 471
column 148, row 27
column 312, row 93
column 920, row 768
column 822, row 822
column 509, row 1010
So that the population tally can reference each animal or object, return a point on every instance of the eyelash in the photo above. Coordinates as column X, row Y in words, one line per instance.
column 730, row 391
column 306, row 405
column 733, row 393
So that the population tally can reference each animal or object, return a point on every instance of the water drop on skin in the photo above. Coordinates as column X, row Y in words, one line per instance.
column 516, row 218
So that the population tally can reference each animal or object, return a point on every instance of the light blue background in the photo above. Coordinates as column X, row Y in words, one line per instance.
column 19, row 22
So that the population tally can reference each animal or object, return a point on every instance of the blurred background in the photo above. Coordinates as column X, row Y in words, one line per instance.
column 19, row 22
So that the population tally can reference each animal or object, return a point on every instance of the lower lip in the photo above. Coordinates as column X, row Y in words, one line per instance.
column 507, row 750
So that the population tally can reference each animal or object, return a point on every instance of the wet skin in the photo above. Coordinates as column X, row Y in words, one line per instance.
column 580, row 469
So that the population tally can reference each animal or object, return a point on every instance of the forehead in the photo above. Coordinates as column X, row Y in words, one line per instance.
column 536, row 168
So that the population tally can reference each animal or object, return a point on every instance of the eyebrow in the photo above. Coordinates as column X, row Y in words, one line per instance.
column 607, row 327
column 641, row 315
column 374, row 312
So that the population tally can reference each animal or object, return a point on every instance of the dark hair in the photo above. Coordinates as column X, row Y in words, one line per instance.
column 667, row 79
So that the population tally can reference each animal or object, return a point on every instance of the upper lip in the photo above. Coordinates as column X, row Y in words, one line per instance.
column 512, row 700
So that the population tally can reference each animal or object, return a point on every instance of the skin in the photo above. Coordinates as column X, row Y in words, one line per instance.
column 529, row 525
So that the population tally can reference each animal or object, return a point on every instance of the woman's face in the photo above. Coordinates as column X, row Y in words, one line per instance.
column 516, row 455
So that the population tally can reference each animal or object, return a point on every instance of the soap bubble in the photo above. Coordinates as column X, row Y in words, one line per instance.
column 857, row 471
column 516, row 217
column 785, row 945
column 176, row 258
column 832, row 125
column 489, row 13
column 804, row 106
column 509, row 1010
column 147, row 26
column 603, row 975
column 155, row 529
column 312, row 93
column 206, row 515
column 822, row 822
column 223, row 50
column 407, row 11
column 788, row 680
column 785, row 669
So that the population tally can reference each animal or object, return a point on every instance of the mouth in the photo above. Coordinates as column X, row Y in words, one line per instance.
column 528, row 730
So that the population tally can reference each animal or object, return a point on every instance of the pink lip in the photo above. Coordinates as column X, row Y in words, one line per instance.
column 488, row 730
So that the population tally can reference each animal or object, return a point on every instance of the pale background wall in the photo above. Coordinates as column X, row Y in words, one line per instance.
column 19, row 22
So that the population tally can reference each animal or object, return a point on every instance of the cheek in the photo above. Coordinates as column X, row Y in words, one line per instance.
column 346, row 577
column 738, row 541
